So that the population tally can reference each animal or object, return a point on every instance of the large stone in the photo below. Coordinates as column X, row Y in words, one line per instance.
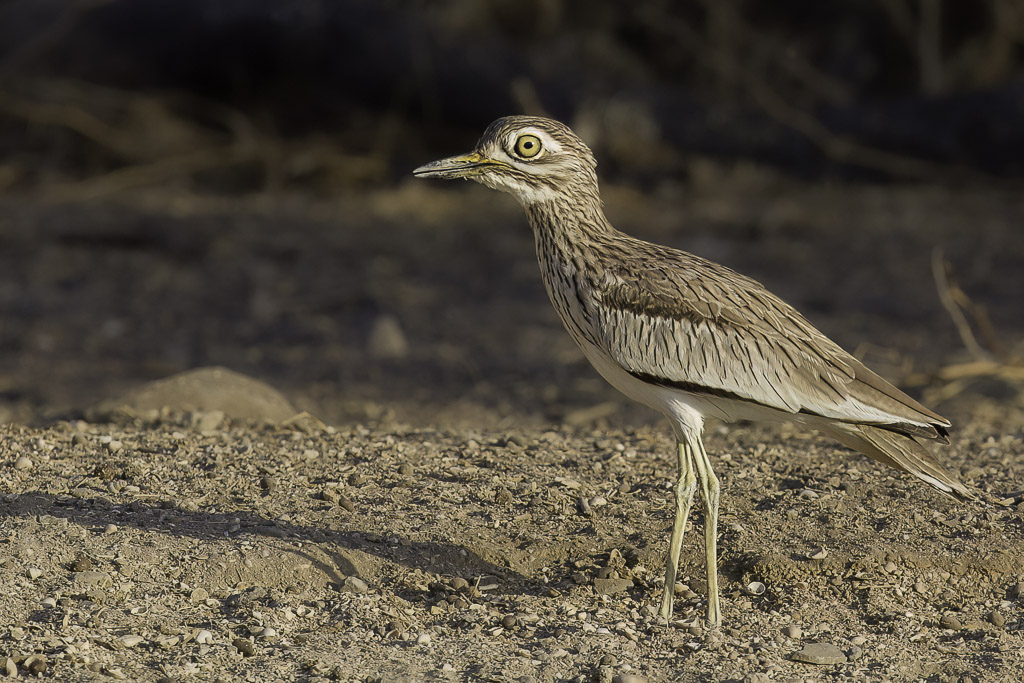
column 819, row 653
column 208, row 391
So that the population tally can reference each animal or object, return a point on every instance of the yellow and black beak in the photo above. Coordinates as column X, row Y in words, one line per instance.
column 463, row 166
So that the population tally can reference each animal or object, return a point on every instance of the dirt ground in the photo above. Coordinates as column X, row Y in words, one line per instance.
column 444, row 489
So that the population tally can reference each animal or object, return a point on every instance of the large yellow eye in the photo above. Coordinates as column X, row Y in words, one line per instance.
column 528, row 146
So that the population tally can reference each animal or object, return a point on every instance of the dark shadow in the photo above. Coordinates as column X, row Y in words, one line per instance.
column 423, row 555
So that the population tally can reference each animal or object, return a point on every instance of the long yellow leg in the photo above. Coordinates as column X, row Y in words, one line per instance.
column 711, row 494
column 686, row 484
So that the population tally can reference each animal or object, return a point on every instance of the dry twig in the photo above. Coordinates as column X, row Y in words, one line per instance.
column 940, row 271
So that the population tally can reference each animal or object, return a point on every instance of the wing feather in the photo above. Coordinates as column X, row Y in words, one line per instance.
column 734, row 338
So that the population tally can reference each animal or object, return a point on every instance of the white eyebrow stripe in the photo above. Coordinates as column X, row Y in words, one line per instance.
column 547, row 142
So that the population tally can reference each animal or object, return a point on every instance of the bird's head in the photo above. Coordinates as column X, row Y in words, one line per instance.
column 534, row 159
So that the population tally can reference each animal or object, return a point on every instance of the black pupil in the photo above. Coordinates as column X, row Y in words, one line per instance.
column 527, row 144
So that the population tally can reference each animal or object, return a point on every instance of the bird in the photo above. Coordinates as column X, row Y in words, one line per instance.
column 686, row 336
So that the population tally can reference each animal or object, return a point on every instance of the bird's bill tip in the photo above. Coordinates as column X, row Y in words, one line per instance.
column 462, row 166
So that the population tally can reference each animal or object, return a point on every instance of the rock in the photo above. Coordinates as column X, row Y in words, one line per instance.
column 951, row 622
column 82, row 563
column 611, row 586
column 35, row 665
column 996, row 618
column 204, row 637
column 130, row 640
column 34, row 573
column 207, row 420
column 23, row 463
column 203, row 390
column 387, row 341
column 353, row 584
column 792, row 631
column 819, row 653
column 91, row 578
column 245, row 646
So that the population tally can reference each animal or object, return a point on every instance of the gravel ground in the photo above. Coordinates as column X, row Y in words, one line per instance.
column 454, row 494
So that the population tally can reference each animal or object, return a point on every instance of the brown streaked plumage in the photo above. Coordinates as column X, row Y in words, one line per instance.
column 686, row 336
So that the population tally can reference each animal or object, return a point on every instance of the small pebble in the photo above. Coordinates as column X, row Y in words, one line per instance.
column 405, row 469
column 353, row 584
column 268, row 483
column 23, row 463
column 951, row 622
column 423, row 639
column 204, row 637
column 50, row 603
column 996, row 618
column 858, row 640
column 245, row 646
column 854, row 653
column 208, row 420
column 889, row 567
column 35, row 665
column 110, row 529
column 130, row 641
column 819, row 653
column 34, row 573
column 611, row 586
column 268, row 632
column 792, row 631
column 583, row 505
column 387, row 341
column 91, row 578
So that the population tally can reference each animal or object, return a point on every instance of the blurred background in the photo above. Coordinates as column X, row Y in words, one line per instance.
column 197, row 182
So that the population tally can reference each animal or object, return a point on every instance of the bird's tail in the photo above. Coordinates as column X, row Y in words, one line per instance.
column 899, row 451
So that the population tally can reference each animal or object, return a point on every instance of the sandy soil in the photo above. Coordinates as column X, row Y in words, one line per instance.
column 463, row 498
